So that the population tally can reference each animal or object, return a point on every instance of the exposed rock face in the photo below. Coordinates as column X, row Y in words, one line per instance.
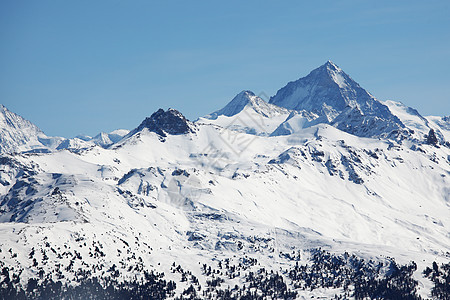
column 16, row 132
column 331, row 94
column 354, row 121
column 166, row 122
column 431, row 138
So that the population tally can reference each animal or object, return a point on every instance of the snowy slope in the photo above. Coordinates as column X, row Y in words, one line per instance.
column 209, row 194
column 295, row 122
column 299, row 198
column 419, row 126
column 18, row 134
column 442, row 125
column 104, row 139
column 248, row 113
column 330, row 93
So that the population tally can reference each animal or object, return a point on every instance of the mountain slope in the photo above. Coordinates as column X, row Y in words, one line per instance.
column 18, row 134
column 254, row 200
column 170, row 122
column 419, row 126
column 442, row 124
column 248, row 113
column 202, row 195
column 329, row 92
column 295, row 122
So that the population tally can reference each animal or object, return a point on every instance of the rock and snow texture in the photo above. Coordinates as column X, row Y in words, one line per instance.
column 18, row 134
column 190, row 198
column 330, row 93
column 162, row 122
column 248, row 113
column 420, row 126
column 225, row 191
column 295, row 122
column 327, row 95
column 103, row 139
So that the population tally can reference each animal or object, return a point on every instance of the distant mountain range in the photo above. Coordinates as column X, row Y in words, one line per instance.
column 18, row 135
column 326, row 96
column 322, row 191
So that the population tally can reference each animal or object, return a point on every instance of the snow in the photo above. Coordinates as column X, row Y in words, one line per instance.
column 330, row 93
column 339, row 79
column 248, row 113
column 252, row 179
column 20, row 135
column 417, row 123
column 295, row 122
column 403, row 196
column 16, row 133
column 440, row 124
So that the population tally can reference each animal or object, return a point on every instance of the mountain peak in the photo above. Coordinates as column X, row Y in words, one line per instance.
column 246, row 93
column 17, row 133
column 248, row 100
column 236, row 105
column 331, row 71
column 323, row 88
column 166, row 122
column 331, row 66
column 248, row 113
column 102, row 139
column 328, row 91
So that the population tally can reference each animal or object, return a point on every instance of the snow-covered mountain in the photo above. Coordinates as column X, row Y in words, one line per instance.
column 295, row 122
column 327, row 95
column 419, row 126
column 163, row 123
column 18, row 134
column 248, row 113
column 105, row 140
column 219, row 208
column 331, row 94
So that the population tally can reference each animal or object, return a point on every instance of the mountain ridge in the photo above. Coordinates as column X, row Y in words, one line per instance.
column 17, row 133
column 349, row 108
column 219, row 197
column 254, row 200
column 329, row 92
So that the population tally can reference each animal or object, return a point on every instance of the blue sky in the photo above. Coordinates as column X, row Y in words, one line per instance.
column 75, row 67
